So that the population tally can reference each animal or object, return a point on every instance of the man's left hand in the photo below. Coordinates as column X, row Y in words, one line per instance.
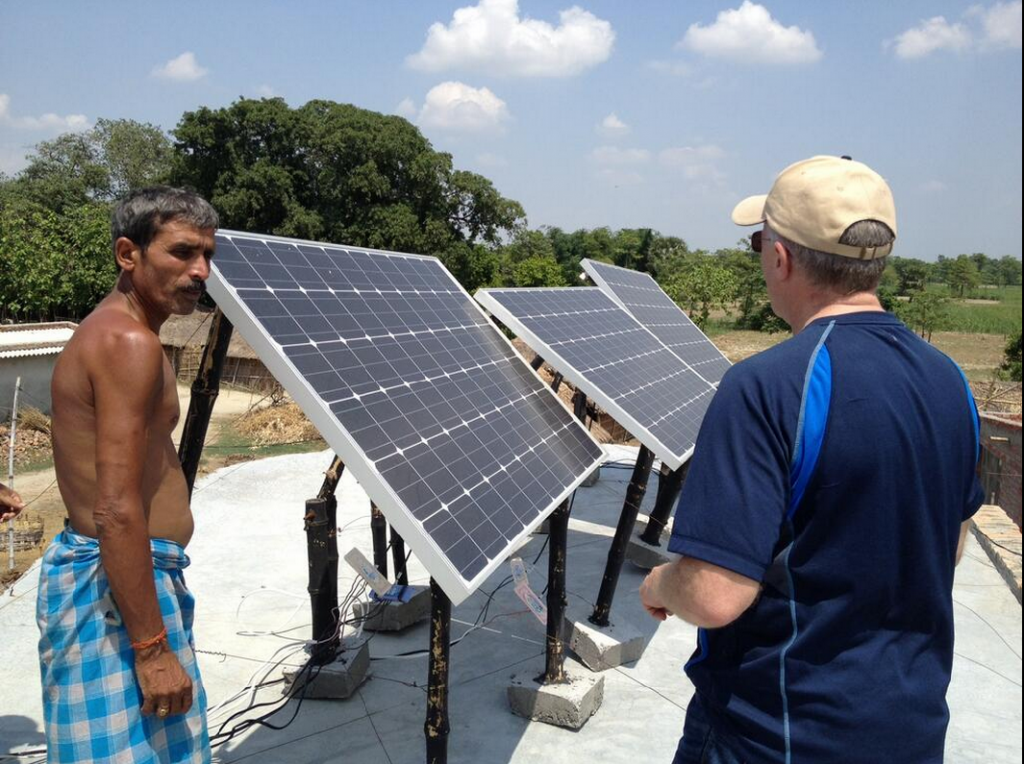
column 649, row 596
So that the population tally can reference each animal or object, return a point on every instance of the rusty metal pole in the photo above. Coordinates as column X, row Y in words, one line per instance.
column 436, row 727
column 617, row 553
column 321, row 524
column 204, row 394
column 579, row 406
column 379, row 533
column 558, row 531
column 398, row 558
column 670, row 484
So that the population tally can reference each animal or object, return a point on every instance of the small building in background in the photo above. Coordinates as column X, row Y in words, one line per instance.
column 184, row 339
column 30, row 351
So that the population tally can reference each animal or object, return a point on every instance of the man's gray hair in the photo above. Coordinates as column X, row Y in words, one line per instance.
column 845, row 275
column 140, row 214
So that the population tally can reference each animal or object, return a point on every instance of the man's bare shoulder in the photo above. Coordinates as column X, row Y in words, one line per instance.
column 111, row 340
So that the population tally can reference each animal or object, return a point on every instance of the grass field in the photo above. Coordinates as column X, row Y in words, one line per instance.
column 984, row 316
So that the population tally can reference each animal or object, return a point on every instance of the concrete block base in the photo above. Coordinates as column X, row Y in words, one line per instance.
column 394, row 616
column 337, row 680
column 646, row 556
column 562, row 705
column 592, row 478
column 602, row 647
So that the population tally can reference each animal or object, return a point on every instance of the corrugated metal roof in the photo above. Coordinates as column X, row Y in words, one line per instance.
column 20, row 340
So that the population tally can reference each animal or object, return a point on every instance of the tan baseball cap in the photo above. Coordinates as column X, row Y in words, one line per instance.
column 813, row 202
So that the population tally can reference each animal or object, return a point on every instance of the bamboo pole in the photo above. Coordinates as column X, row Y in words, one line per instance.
column 10, row 472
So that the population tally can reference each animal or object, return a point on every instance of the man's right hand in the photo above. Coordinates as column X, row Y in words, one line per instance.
column 10, row 503
column 166, row 688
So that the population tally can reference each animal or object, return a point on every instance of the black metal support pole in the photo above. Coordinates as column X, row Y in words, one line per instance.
column 204, row 395
column 670, row 483
column 579, row 405
column 398, row 558
column 321, row 522
column 537, row 362
column 379, row 532
column 630, row 508
column 556, row 382
column 436, row 727
column 558, row 531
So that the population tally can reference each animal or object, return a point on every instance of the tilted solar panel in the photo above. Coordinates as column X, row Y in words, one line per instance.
column 640, row 295
column 608, row 355
column 448, row 430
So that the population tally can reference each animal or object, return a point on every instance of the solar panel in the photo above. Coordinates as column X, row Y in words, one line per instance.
column 449, row 431
column 640, row 295
column 608, row 355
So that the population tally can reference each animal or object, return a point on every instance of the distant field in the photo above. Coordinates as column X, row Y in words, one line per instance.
column 985, row 316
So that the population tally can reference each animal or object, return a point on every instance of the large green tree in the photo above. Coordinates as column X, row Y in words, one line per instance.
column 97, row 166
column 924, row 312
column 911, row 273
column 335, row 172
column 529, row 261
column 53, row 266
column 962, row 274
column 702, row 285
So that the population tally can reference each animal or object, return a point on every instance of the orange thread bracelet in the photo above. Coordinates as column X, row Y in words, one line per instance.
column 147, row 643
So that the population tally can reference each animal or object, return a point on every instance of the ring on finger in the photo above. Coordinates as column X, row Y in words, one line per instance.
column 163, row 711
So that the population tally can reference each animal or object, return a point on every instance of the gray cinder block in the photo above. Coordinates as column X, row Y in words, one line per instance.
column 563, row 705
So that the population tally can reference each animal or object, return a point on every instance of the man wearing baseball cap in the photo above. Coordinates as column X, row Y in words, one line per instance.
column 825, row 507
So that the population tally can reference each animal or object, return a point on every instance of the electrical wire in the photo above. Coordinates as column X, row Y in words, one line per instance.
column 222, row 736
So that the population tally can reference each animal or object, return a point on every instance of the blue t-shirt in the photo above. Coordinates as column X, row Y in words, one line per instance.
column 835, row 468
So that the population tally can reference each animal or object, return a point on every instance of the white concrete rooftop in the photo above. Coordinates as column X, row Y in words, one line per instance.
column 249, row 575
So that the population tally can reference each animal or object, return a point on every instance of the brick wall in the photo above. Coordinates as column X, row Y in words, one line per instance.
column 1000, row 463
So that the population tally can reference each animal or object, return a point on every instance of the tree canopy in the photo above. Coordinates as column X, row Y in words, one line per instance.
column 97, row 166
column 335, row 172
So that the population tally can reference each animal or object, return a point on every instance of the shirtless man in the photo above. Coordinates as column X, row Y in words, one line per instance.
column 114, row 614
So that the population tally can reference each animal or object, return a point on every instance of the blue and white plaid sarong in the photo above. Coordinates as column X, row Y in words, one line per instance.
column 92, row 704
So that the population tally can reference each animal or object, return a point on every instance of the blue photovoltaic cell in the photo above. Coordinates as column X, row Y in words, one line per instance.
column 460, row 430
column 641, row 296
column 602, row 349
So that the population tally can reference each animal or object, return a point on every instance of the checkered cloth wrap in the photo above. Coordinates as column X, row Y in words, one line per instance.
column 91, row 700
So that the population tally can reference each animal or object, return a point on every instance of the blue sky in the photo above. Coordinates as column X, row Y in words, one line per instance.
column 655, row 113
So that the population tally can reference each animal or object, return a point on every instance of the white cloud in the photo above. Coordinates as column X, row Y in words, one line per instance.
column 184, row 68
column 931, row 35
column 612, row 127
column 749, row 34
column 614, row 156
column 1001, row 25
column 982, row 29
column 457, row 106
column 695, row 162
column 492, row 37
column 45, row 122
column 406, row 108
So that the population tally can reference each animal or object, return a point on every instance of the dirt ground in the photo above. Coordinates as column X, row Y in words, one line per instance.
column 39, row 489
